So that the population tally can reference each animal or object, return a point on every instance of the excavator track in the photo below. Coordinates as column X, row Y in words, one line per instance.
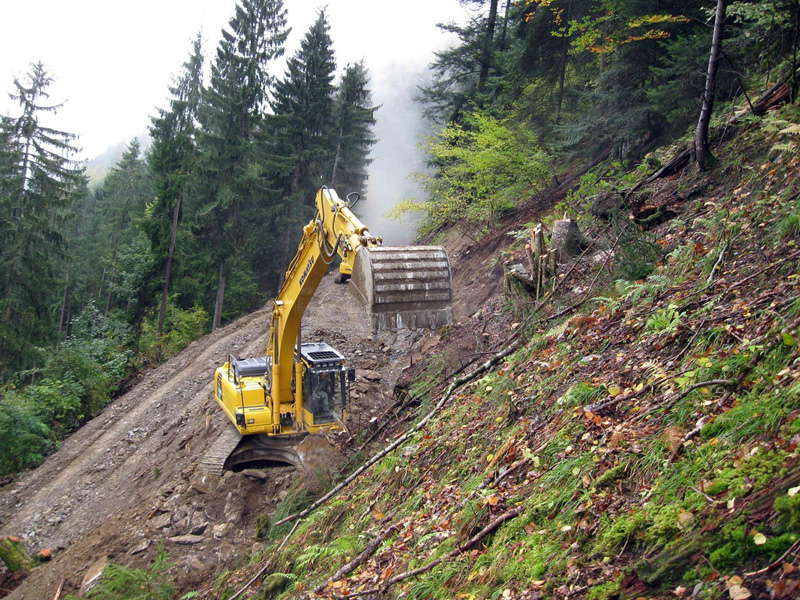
column 213, row 460
column 259, row 451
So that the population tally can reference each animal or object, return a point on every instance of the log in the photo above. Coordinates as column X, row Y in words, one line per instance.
column 14, row 555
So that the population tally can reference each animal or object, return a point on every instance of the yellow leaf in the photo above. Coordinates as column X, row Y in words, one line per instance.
column 685, row 519
column 738, row 592
column 489, row 457
column 614, row 390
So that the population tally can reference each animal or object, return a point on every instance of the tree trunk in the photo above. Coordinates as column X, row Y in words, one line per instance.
column 563, row 73
column 220, row 297
column 63, row 306
column 336, row 157
column 167, row 273
column 704, row 156
column 13, row 554
column 488, row 45
column 505, row 26
column 794, row 86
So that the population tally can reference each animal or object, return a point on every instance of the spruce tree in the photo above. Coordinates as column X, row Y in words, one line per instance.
column 303, row 107
column 40, row 181
column 230, row 111
column 301, row 129
column 354, row 118
column 172, row 159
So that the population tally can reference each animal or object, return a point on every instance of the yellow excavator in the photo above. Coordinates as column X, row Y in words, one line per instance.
column 300, row 388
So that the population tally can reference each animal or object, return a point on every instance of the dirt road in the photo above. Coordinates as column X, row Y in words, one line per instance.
column 129, row 479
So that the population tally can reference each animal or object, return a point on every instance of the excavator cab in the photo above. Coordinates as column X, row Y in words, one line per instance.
column 324, row 385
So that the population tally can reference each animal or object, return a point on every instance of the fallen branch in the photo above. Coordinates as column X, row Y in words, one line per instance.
column 58, row 591
column 678, row 397
column 368, row 551
column 434, row 563
column 777, row 563
column 515, row 342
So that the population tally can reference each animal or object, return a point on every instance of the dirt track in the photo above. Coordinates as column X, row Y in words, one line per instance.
column 130, row 479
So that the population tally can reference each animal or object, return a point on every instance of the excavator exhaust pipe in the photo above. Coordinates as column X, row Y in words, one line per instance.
column 404, row 286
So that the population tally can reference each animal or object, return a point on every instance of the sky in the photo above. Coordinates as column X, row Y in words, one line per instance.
column 112, row 62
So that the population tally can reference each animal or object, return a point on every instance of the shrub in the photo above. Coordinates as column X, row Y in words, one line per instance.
column 481, row 169
column 24, row 438
column 181, row 327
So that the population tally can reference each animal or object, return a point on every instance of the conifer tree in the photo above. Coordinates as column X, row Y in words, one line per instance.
column 40, row 181
column 354, row 118
column 301, row 130
column 230, row 111
column 172, row 159
column 303, row 106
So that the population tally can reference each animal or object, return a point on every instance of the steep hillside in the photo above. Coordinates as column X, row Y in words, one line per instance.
column 632, row 434
column 131, row 478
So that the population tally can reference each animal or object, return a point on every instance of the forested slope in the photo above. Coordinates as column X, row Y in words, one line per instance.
column 617, row 438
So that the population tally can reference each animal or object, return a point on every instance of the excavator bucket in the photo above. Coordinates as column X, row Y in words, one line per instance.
column 404, row 286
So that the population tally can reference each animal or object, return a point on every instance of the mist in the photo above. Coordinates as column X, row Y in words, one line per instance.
column 396, row 155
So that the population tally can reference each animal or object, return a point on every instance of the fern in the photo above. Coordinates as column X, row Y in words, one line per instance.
column 125, row 583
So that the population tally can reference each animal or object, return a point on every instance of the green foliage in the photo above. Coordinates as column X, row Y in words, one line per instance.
column 125, row 583
column 180, row 328
column 25, row 439
column 636, row 252
column 483, row 169
column 663, row 320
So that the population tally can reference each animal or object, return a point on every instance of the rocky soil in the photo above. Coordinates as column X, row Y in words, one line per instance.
column 130, row 479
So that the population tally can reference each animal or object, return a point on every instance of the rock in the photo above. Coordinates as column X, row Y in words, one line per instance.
column 197, row 564
column 199, row 529
column 204, row 482
column 186, row 540
column 161, row 520
column 372, row 376
column 140, row 547
column 220, row 530
column 255, row 474
column 92, row 576
column 318, row 454
column 225, row 552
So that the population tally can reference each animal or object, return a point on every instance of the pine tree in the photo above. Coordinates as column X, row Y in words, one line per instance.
column 230, row 111
column 461, row 74
column 354, row 118
column 303, row 106
column 40, row 181
column 301, row 130
column 172, row 159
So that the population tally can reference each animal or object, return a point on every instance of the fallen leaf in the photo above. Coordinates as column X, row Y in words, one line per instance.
column 685, row 519
column 738, row 592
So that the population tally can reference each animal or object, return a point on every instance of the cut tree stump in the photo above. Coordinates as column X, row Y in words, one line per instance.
column 14, row 555
column 567, row 239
